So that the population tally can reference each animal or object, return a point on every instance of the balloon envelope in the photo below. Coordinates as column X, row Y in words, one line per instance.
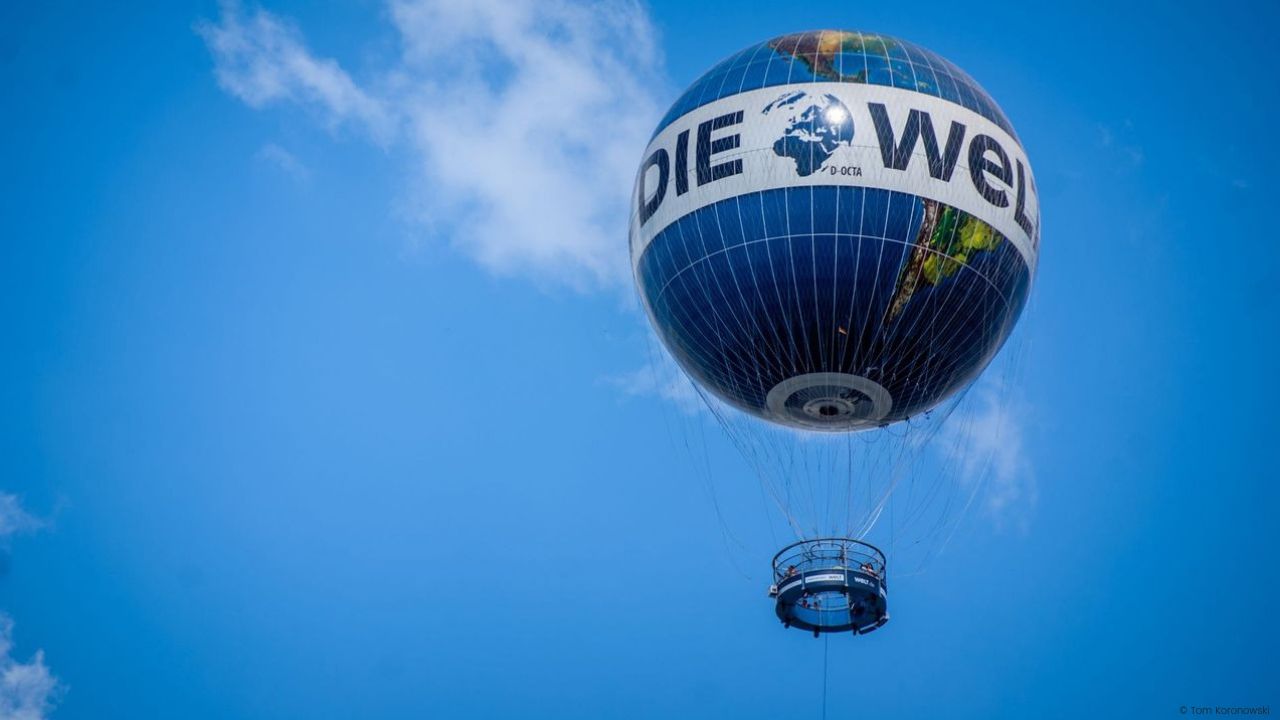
column 834, row 230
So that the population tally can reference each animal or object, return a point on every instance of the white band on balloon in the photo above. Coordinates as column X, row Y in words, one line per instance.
column 856, row 163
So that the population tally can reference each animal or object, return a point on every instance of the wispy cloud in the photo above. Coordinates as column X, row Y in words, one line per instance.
column 14, row 519
column 28, row 690
column 1121, row 144
column 984, row 438
column 524, row 119
column 285, row 161
column 660, row 378
column 262, row 59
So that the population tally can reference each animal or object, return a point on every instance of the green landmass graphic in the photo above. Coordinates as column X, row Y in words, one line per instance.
column 818, row 51
column 948, row 240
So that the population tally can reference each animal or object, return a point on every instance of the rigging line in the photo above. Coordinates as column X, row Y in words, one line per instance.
column 893, row 534
column 728, row 427
column 726, row 533
column 959, row 467
column 826, row 644
column 988, row 463
column 896, row 474
column 705, row 466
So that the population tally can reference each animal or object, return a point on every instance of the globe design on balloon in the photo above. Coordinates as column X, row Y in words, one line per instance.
column 813, row 133
column 834, row 230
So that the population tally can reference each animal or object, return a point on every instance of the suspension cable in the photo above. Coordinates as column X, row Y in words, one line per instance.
column 825, row 645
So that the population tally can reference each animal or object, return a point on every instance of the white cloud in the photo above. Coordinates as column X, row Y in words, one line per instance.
column 27, row 690
column 14, row 519
column 663, row 379
column 525, row 119
column 286, row 161
column 263, row 60
column 984, row 437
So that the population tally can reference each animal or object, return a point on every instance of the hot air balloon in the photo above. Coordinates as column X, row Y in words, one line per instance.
column 833, row 233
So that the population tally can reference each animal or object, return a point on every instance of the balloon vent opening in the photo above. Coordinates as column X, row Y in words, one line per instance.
column 829, row 401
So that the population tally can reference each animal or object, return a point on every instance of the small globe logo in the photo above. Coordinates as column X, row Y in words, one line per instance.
column 816, row 127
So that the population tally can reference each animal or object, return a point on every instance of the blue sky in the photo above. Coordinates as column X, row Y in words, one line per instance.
column 324, row 384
